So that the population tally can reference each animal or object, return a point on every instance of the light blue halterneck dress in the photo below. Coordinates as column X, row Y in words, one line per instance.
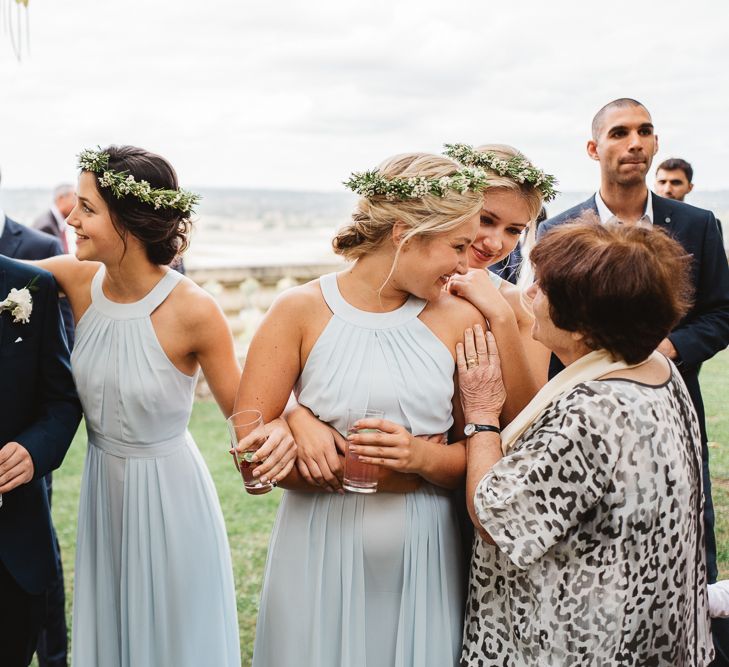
column 154, row 583
column 367, row 580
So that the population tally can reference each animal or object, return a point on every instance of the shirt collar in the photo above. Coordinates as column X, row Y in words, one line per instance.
column 59, row 218
column 606, row 215
column 2, row 221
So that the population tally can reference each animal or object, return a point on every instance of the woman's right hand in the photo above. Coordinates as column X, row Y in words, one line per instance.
column 320, row 459
column 479, row 376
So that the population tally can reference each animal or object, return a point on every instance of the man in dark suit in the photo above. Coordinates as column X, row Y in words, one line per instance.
column 21, row 242
column 624, row 143
column 53, row 221
column 39, row 414
column 675, row 179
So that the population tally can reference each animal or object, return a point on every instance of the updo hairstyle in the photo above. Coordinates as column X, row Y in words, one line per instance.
column 429, row 216
column 164, row 232
column 624, row 288
column 531, row 195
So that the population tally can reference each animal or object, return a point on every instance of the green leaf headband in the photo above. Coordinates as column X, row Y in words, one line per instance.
column 371, row 183
column 517, row 168
column 121, row 184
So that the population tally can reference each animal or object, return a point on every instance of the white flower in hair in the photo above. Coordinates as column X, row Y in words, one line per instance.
column 122, row 184
column 518, row 167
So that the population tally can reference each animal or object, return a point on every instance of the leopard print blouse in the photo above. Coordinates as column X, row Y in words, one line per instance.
column 596, row 514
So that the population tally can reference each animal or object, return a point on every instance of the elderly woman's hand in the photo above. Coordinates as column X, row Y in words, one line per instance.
column 479, row 375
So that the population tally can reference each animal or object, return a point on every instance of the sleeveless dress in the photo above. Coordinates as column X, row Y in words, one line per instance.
column 367, row 580
column 154, row 583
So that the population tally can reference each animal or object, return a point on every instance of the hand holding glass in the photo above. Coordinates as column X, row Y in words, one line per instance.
column 247, row 436
column 360, row 477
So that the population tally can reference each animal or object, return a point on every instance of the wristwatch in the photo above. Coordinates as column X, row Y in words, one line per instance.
column 470, row 429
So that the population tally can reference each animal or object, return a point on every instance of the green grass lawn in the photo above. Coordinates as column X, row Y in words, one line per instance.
column 249, row 519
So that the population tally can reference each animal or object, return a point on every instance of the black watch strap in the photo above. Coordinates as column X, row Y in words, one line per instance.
column 472, row 429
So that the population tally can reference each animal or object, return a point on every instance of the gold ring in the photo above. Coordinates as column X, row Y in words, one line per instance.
column 471, row 362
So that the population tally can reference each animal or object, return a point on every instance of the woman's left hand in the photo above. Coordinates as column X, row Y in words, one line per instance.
column 476, row 287
column 389, row 445
column 479, row 375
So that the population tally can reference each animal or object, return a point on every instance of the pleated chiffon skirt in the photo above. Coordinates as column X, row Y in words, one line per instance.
column 362, row 581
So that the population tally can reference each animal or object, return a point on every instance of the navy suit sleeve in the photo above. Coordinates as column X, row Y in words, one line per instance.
column 706, row 330
column 54, row 247
column 58, row 409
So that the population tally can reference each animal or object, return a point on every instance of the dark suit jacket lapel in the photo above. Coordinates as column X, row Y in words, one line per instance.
column 10, row 240
column 591, row 204
column 662, row 212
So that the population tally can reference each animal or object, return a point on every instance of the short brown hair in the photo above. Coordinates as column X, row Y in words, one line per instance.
column 677, row 163
column 624, row 288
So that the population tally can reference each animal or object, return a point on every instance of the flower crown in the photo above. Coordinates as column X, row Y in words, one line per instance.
column 371, row 183
column 517, row 167
column 121, row 183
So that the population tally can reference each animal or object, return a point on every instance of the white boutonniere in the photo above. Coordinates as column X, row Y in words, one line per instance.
column 20, row 302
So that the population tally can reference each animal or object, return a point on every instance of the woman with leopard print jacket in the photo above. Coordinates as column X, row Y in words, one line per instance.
column 589, row 505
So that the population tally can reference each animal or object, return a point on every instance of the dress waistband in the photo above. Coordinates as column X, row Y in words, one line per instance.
column 128, row 450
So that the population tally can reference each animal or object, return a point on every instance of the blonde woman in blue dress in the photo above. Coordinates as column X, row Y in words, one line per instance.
column 512, row 200
column 376, row 579
column 154, row 582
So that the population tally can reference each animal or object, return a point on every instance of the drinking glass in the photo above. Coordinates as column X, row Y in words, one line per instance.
column 247, row 430
column 360, row 477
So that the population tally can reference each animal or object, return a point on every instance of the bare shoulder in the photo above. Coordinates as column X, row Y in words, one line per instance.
column 192, row 304
column 460, row 312
column 300, row 304
column 66, row 268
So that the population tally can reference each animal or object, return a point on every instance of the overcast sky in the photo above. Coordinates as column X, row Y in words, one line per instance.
column 295, row 95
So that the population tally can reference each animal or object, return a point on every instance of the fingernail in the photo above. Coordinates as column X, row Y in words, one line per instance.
column 353, row 448
column 264, row 479
column 255, row 473
column 478, row 327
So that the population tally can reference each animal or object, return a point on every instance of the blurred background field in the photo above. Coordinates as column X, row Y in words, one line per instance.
column 249, row 519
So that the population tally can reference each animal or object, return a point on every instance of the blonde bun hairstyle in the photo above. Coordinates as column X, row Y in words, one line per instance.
column 374, row 218
column 532, row 195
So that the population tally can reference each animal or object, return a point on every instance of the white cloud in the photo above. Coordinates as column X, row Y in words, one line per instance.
column 292, row 94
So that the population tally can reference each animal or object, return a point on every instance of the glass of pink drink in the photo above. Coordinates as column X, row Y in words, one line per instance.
column 247, row 431
column 360, row 477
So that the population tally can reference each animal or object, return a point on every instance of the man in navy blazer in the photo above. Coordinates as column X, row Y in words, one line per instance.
column 624, row 143
column 39, row 414
column 20, row 242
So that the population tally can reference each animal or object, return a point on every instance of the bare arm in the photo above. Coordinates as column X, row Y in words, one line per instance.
column 215, row 352
column 73, row 278
column 520, row 382
column 273, row 364
column 482, row 393
column 537, row 355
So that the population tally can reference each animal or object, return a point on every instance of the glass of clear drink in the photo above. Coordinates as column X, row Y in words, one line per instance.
column 360, row 477
column 246, row 429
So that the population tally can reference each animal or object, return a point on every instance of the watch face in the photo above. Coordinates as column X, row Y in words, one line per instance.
column 469, row 430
